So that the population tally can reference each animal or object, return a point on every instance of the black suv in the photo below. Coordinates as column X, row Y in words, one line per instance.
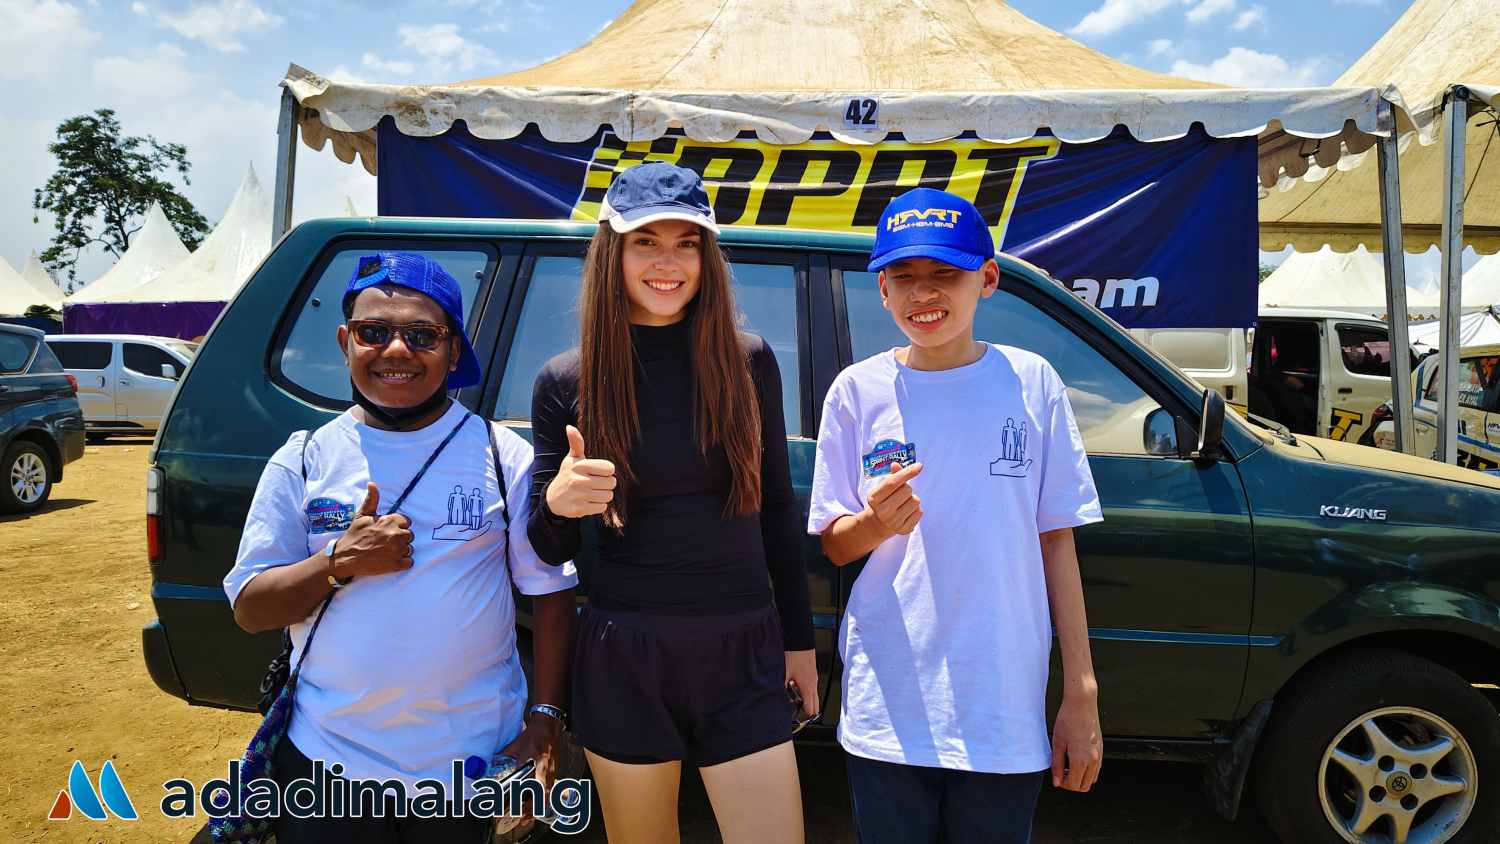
column 41, row 424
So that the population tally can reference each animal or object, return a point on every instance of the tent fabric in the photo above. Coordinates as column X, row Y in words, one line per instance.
column 224, row 259
column 714, row 70
column 17, row 293
column 156, row 250
column 1476, row 329
column 42, row 282
column 184, row 320
column 1435, row 44
column 1352, row 281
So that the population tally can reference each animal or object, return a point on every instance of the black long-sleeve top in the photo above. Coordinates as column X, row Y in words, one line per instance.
column 678, row 553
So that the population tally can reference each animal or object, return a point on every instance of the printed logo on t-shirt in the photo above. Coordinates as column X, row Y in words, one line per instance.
column 1012, row 462
column 888, row 456
column 465, row 516
column 325, row 515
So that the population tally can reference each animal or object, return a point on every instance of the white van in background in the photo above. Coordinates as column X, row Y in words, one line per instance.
column 1214, row 357
column 124, row 380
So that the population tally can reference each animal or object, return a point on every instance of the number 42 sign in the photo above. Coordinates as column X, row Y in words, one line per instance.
column 862, row 113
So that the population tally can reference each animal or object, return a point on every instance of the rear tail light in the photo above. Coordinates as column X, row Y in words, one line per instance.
column 72, row 382
column 153, row 514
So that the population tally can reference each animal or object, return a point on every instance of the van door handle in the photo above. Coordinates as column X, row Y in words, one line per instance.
column 1344, row 391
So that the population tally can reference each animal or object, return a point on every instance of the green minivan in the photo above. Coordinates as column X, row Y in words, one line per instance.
column 1316, row 623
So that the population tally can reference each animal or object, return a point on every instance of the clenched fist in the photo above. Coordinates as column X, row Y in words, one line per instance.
column 893, row 504
column 583, row 487
column 373, row 544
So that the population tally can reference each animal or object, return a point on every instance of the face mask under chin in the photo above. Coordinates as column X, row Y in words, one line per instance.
column 398, row 417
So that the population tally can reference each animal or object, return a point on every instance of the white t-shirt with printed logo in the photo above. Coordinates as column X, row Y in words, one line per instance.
column 947, row 634
column 414, row 669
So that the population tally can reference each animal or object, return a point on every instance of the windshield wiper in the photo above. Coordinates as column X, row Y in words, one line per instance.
column 1281, row 431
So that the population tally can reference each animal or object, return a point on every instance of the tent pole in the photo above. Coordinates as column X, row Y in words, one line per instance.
column 1450, row 303
column 1395, row 280
column 286, row 166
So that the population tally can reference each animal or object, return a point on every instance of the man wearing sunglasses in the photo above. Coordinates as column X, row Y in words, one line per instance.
column 415, row 662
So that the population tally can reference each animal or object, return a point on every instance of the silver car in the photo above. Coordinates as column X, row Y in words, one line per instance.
column 124, row 380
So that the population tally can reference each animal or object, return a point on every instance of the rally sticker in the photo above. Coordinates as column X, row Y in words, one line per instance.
column 888, row 456
column 325, row 515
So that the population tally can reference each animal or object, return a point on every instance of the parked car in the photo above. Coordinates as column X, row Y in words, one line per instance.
column 1478, row 408
column 1316, row 618
column 41, row 425
column 124, row 380
column 1320, row 372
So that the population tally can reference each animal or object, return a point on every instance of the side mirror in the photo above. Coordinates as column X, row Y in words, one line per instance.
column 1210, row 426
column 169, row 371
column 1160, row 434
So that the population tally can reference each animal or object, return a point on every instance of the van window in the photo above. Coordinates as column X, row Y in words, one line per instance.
column 147, row 360
column 1111, row 409
column 310, row 357
column 765, row 293
column 15, row 351
column 1366, row 351
column 83, row 355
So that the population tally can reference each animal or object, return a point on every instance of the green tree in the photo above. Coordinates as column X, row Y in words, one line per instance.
column 1265, row 271
column 105, row 184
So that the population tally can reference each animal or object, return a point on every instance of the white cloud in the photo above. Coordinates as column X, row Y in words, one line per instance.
column 1115, row 15
column 1159, row 47
column 1250, row 17
column 161, row 72
column 342, row 73
column 32, row 33
column 1207, row 9
column 444, row 49
column 1245, row 68
column 140, row 8
column 218, row 24
column 379, row 65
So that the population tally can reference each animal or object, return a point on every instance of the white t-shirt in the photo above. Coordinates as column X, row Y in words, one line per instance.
column 947, row 635
column 414, row 669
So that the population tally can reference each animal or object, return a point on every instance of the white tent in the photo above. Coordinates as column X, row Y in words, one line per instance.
column 41, row 281
column 227, row 257
column 17, row 294
column 1477, row 329
column 156, row 250
column 1482, row 283
column 1353, row 281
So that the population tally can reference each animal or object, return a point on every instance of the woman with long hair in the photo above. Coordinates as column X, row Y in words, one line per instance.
column 665, row 428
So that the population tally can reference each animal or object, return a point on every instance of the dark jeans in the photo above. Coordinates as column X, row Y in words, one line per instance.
column 292, row 764
column 908, row 804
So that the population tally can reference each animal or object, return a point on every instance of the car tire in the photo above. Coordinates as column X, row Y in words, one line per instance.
column 25, row 478
column 1324, row 762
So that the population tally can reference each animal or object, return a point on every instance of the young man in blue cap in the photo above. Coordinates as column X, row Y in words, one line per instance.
column 957, row 466
column 414, row 663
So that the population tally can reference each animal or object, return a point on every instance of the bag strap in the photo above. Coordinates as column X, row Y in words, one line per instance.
column 489, row 428
column 431, row 458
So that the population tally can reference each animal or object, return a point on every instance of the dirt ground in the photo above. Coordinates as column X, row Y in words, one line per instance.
column 75, row 592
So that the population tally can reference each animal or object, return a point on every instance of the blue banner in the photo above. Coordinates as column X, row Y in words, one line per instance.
column 1158, row 235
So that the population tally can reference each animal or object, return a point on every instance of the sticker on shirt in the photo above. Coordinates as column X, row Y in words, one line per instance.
column 465, row 516
column 888, row 456
column 1012, row 462
column 325, row 515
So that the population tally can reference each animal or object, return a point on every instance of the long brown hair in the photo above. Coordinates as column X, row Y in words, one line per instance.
column 727, row 411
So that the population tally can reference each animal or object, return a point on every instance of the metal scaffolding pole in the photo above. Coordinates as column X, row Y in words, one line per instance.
column 286, row 166
column 1451, row 299
column 1395, row 281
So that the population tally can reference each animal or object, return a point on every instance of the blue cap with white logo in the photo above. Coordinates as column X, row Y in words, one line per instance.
column 927, row 223
column 646, row 193
column 426, row 276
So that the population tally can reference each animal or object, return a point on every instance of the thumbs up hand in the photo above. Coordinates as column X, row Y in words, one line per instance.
column 583, row 487
column 373, row 544
column 893, row 504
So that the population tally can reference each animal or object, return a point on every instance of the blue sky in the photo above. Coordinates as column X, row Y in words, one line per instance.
column 204, row 72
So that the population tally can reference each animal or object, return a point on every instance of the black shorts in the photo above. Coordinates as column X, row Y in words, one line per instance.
column 657, row 688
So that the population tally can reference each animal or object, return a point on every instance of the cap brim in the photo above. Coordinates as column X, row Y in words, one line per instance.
column 623, row 223
column 957, row 257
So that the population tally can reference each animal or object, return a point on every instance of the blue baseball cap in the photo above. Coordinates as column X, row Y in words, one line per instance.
column 646, row 193
column 927, row 223
column 426, row 276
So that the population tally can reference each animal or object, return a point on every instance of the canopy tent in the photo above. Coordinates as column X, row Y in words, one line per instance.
column 1435, row 44
column 1352, row 281
column 156, row 249
column 1476, row 329
column 185, row 300
column 42, row 282
column 17, row 294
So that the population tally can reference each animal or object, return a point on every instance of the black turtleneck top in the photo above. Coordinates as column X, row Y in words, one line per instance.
column 678, row 553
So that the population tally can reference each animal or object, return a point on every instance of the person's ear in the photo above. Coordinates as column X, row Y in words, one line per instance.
column 455, row 353
column 991, row 271
column 885, row 296
column 343, row 337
